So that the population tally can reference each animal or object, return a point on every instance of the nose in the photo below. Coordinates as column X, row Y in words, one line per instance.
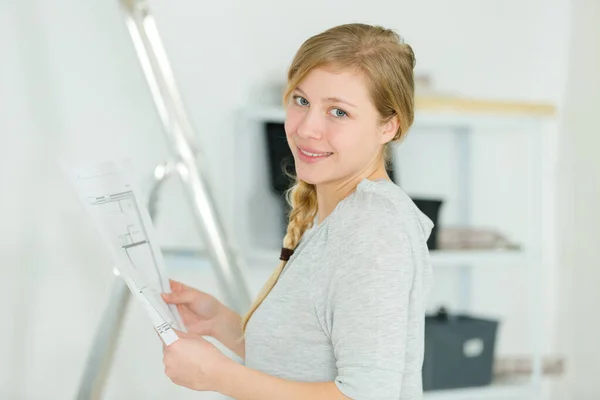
column 311, row 126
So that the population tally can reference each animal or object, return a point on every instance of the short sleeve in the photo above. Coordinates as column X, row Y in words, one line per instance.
column 368, row 307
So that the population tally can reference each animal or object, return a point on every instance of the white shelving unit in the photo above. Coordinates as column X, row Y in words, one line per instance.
column 258, row 232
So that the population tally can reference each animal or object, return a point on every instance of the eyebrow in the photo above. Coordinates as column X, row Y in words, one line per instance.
column 331, row 99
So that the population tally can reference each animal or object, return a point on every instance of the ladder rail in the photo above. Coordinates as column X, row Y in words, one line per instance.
column 179, row 133
column 161, row 81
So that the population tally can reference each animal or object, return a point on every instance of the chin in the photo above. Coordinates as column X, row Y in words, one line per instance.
column 311, row 177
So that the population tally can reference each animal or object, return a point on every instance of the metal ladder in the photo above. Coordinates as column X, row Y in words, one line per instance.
column 156, row 68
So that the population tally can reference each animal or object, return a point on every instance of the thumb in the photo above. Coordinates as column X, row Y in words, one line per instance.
column 183, row 297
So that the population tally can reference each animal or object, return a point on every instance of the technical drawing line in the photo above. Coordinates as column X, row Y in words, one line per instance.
column 128, row 246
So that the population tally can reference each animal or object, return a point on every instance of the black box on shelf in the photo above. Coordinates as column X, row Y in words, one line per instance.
column 459, row 351
column 280, row 157
column 431, row 208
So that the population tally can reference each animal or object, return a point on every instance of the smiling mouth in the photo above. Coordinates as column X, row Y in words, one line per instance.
column 315, row 155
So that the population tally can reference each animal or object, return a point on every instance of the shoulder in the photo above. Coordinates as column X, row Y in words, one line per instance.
column 375, row 242
column 378, row 209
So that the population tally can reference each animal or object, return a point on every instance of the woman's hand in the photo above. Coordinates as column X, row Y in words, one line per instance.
column 195, row 363
column 204, row 315
column 198, row 310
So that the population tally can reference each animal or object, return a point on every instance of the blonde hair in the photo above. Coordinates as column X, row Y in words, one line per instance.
column 387, row 63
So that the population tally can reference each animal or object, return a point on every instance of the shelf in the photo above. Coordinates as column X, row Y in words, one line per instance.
column 523, row 391
column 462, row 257
column 438, row 257
column 462, row 105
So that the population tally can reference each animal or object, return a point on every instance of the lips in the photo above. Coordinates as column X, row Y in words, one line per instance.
column 313, row 153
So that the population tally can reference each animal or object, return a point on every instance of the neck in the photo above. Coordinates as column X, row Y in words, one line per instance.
column 331, row 193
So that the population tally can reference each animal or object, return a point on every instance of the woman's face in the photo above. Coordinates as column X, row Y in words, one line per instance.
column 333, row 128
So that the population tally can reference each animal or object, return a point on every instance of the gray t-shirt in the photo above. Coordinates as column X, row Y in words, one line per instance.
column 349, row 306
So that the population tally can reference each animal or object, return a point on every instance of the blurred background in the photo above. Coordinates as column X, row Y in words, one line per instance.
column 505, row 143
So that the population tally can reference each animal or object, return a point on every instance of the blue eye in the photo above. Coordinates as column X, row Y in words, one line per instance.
column 339, row 113
column 301, row 101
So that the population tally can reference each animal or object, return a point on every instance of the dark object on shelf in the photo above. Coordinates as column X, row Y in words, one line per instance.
column 280, row 157
column 459, row 351
column 390, row 168
column 431, row 208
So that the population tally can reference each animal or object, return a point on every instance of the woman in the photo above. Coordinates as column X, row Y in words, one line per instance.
column 343, row 315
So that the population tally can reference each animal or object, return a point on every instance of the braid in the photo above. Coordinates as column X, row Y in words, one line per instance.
column 302, row 197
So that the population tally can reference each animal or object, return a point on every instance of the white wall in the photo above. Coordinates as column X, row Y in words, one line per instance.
column 579, row 215
column 71, row 86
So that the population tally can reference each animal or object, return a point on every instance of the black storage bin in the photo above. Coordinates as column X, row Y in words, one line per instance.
column 459, row 351
column 431, row 208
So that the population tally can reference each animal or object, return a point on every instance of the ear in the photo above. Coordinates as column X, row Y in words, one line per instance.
column 389, row 129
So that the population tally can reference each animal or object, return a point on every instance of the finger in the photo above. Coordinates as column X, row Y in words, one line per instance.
column 186, row 315
column 175, row 285
column 183, row 297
